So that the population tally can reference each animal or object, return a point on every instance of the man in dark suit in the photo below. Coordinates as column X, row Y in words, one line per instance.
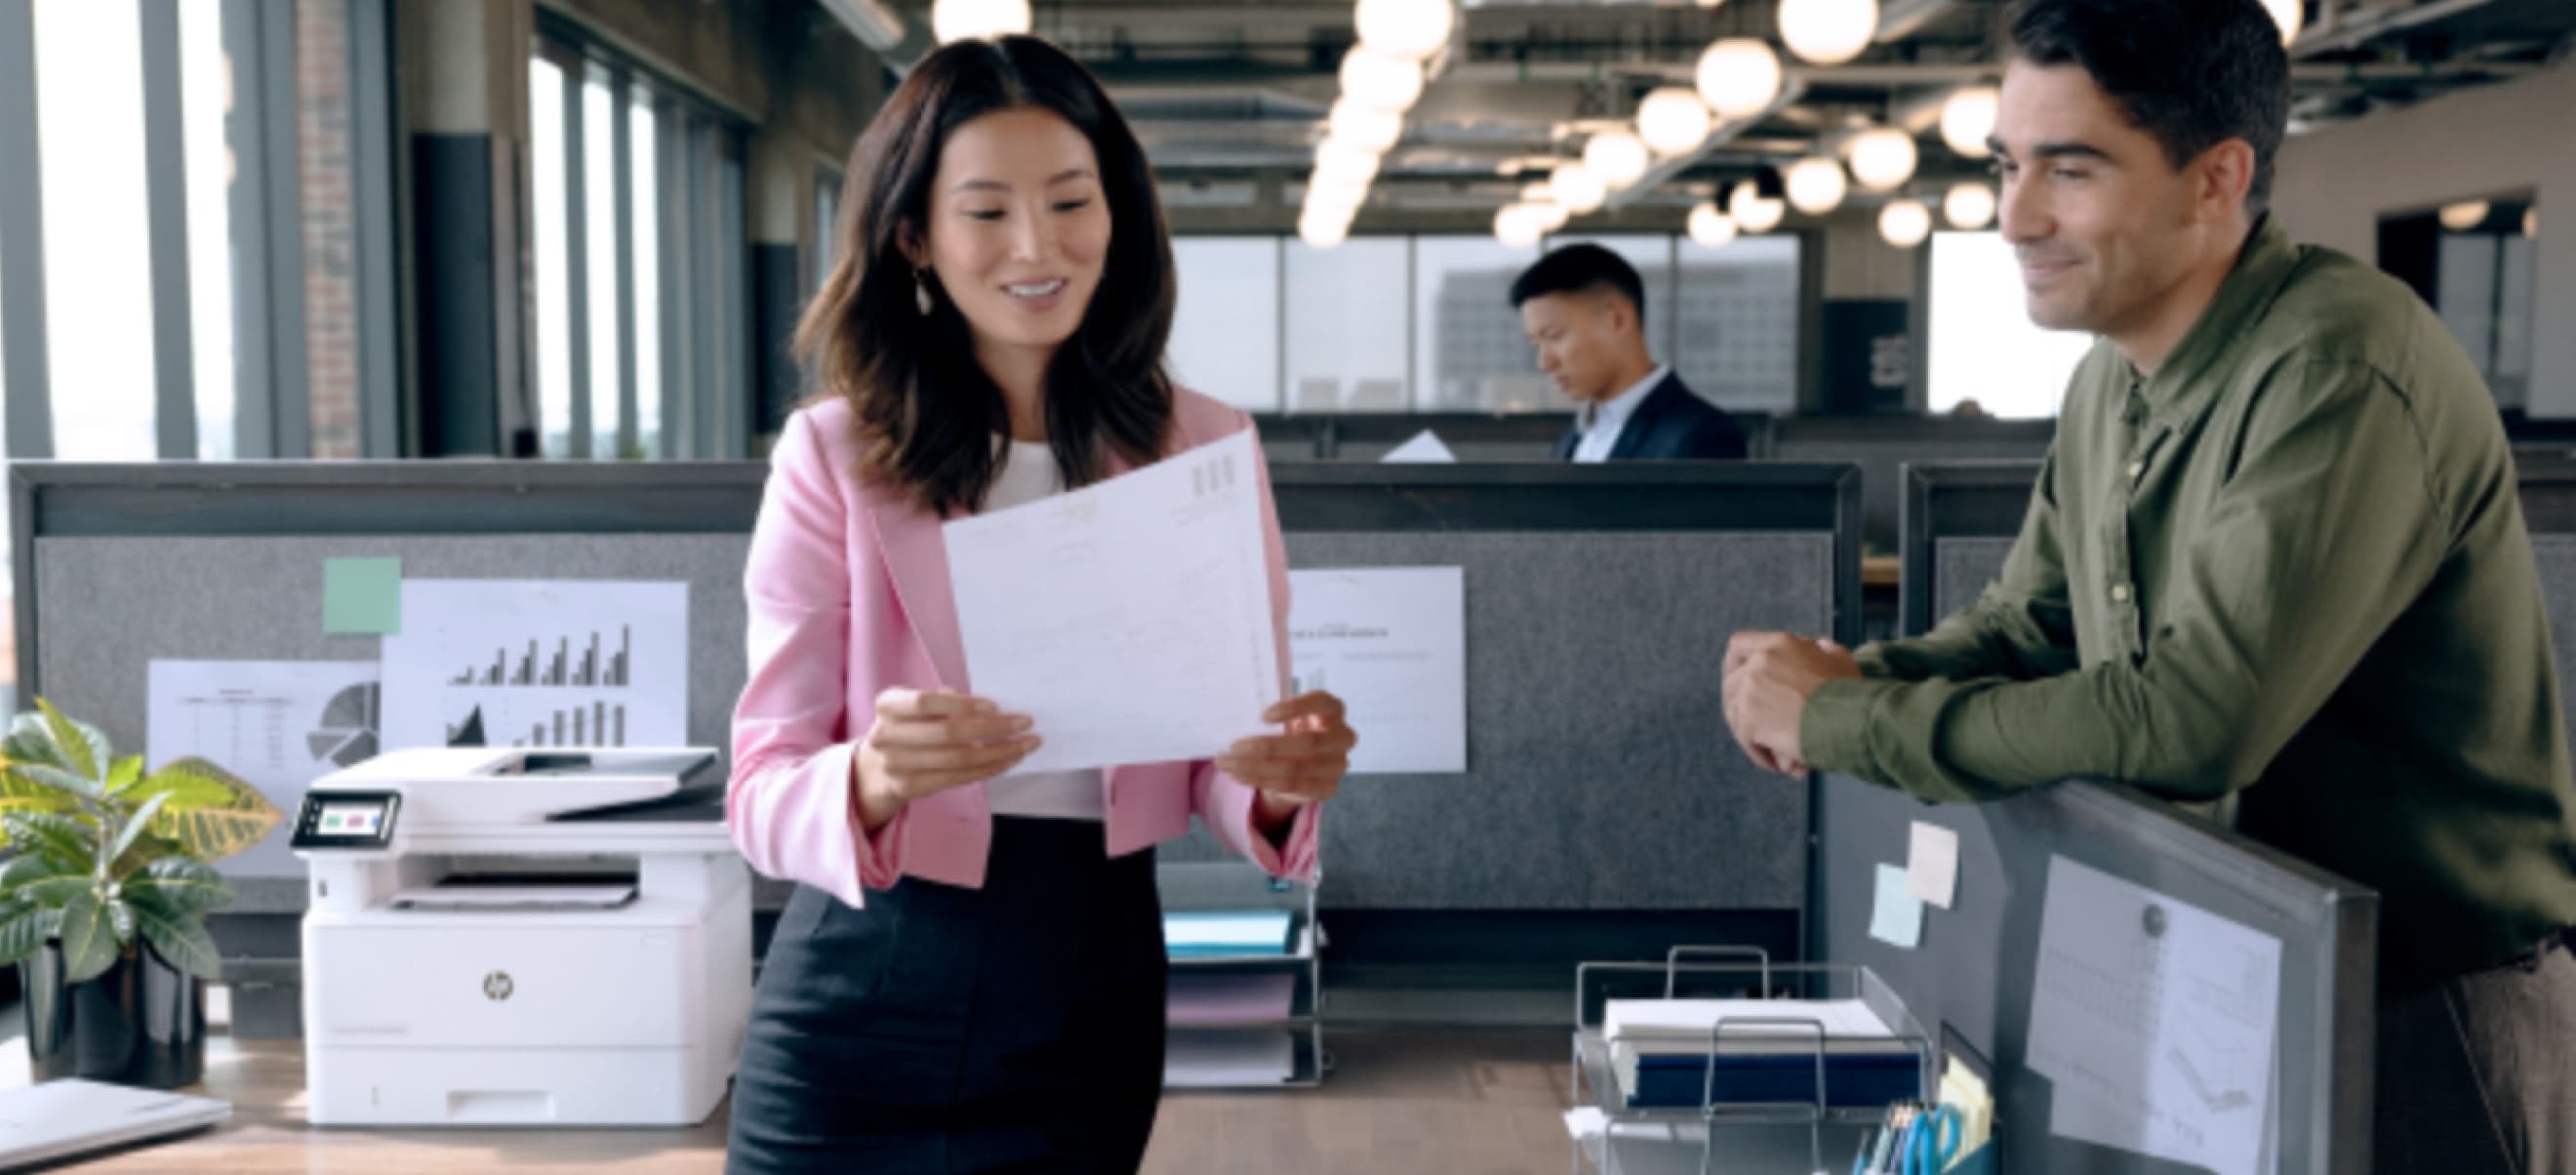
column 1585, row 310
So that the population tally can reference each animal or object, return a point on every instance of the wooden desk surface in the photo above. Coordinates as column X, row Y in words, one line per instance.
column 1400, row 1102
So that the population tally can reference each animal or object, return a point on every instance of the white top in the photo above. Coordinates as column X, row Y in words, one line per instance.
column 1603, row 422
column 1028, row 474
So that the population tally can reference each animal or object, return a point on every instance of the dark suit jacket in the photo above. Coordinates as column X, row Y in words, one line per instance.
column 1671, row 424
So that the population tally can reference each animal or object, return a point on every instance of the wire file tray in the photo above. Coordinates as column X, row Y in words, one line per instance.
column 1642, row 1140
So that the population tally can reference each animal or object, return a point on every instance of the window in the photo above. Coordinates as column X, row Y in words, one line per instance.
column 553, row 228
column 1225, row 332
column 98, row 243
column 1346, row 329
column 1984, row 346
column 1735, row 322
column 605, row 257
column 1469, row 352
column 643, row 129
column 208, row 77
column 827, row 225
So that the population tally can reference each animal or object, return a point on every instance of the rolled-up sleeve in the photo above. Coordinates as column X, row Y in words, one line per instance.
column 790, row 803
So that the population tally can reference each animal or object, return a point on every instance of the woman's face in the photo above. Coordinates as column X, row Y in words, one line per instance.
column 1018, row 228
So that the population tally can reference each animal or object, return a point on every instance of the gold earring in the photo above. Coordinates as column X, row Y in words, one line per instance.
column 921, row 291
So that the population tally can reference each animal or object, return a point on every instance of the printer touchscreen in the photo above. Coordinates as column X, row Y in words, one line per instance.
column 346, row 820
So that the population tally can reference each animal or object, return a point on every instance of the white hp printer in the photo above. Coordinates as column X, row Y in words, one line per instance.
column 601, row 977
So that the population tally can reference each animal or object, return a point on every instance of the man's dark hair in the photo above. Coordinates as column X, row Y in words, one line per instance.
column 1577, row 269
column 2190, row 73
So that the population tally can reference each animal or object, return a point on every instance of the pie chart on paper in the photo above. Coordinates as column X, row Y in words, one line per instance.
column 346, row 736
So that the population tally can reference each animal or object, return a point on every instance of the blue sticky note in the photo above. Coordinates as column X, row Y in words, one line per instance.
column 1897, row 919
column 362, row 597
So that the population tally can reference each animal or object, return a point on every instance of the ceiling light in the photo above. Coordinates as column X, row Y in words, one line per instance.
column 1366, row 127
column 1408, row 30
column 1883, row 158
column 1969, row 207
column 1905, row 223
column 1550, row 215
column 2466, row 215
column 1519, row 226
column 1815, row 185
column 2289, row 15
column 1618, row 157
column 1828, row 32
column 960, row 20
column 1575, row 187
column 1968, row 118
column 1738, row 77
column 1322, row 230
column 1335, row 159
column 1381, row 82
column 1673, row 120
column 1710, row 228
column 1752, row 211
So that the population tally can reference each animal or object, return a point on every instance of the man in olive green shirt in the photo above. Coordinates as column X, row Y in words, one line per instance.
column 2275, row 563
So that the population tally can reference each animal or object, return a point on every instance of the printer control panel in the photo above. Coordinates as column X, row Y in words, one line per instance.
column 347, row 820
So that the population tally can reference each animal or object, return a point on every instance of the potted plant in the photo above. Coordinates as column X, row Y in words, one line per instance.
column 104, row 896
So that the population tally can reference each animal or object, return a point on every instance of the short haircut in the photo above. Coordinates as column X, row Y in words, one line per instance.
column 1577, row 269
column 2190, row 73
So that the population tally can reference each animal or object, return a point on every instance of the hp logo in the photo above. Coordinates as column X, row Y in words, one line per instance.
column 497, row 986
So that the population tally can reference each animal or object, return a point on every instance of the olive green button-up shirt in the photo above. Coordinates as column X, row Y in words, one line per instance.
column 2286, row 576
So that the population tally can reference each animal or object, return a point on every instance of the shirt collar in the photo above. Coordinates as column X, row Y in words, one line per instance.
column 1614, row 412
column 2261, row 270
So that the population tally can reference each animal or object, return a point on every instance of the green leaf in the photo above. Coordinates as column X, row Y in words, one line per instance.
column 53, row 779
column 56, row 892
column 181, row 940
column 150, row 848
column 31, row 741
column 120, row 915
column 64, row 840
column 191, row 783
column 20, row 794
column 84, row 750
column 89, row 942
column 213, row 832
column 181, row 885
column 136, row 825
column 25, row 929
column 127, row 772
column 29, row 868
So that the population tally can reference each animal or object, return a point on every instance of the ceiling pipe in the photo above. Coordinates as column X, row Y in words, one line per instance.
column 2334, row 35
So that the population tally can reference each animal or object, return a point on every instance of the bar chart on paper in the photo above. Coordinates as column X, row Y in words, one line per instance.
column 538, row 663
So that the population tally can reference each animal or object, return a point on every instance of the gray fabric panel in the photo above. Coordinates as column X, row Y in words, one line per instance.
column 1961, row 569
column 2556, row 554
column 1600, row 773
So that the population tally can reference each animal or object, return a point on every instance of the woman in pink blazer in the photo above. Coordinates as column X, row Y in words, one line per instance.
column 970, row 976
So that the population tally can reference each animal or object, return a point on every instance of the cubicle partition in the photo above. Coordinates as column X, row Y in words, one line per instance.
column 1975, row 968
column 1604, row 806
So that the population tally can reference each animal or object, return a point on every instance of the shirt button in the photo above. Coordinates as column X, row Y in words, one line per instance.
column 2119, row 593
column 2136, row 468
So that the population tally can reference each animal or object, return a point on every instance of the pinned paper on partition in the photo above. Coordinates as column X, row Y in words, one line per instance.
column 1932, row 872
column 1424, row 449
column 361, row 597
column 1897, row 918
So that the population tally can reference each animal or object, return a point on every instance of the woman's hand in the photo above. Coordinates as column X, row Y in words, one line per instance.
column 927, row 741
column 1303, row 766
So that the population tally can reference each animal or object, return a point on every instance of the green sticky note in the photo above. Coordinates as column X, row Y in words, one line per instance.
column 361, row 597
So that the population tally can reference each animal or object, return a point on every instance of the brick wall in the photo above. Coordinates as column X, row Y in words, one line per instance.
column 330, row 225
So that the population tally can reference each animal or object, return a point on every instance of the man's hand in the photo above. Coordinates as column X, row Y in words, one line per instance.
column 1769, row 677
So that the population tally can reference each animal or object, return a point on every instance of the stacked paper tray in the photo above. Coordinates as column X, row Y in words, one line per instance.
column 1676, row 1053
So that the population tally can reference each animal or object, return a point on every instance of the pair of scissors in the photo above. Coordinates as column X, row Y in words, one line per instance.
column 1932, row 1143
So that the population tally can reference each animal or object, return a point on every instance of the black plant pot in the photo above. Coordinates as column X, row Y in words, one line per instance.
column 143, row 1022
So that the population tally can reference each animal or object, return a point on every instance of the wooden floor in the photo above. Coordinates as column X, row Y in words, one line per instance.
column 1408, row 1101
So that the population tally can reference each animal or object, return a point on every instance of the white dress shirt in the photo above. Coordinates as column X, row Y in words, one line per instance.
column 1603, row 422
column 1028, row 474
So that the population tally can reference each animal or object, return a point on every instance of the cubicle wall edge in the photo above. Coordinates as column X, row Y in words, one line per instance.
column 1986, row 499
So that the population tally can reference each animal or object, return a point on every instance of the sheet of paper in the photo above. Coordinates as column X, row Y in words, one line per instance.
column 1896, row 918
column 539, row 663
column 279, row 725
column 1131, row 620
column 2155, row 1020
column 1228, row 1056
column 1425, row 448
column 361, row 597
column 1392, row 644
column 1221, row 997
column 1932, row 868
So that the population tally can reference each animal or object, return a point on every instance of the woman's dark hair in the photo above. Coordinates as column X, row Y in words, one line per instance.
column 2190, row 73
column 925, row 410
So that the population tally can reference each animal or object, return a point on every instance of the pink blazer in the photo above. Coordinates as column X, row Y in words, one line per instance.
column 849, row 596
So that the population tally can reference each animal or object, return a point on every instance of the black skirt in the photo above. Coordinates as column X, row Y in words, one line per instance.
column 1018, row 1027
